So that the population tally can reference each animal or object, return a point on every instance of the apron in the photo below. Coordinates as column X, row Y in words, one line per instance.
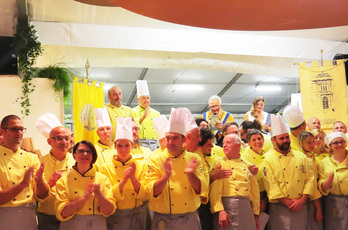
column 336, row 212
column 132, row 219
column 281, row 218
column 240, row 213
column 21, row 217
column 185, row 221
column 87, row 222
column 47, row 222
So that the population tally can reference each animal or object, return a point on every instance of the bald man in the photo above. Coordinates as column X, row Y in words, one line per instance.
column 116, row 109
column 58, row 161
column 313, row 123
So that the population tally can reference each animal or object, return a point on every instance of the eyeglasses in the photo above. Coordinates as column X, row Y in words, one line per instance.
column 16, row 129
column 82, row 151
column 214, row 106
column 58, row 138
column 338, row 142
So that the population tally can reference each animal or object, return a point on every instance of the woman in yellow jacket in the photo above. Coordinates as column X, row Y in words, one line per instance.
column 254, row 154
column 333, row 182
column 320, row 150
column 128, row 177
column 84, row 195
column 315, row 216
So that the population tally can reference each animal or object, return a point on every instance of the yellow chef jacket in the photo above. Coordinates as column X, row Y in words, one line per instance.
column 128, row 199
column 321, row 157
column 13, row 165
column 141, row 153
column 242, row 183
column 314, row 166
column 52, row 165
column 216, row 152
column 115, row 113
column 206, row 169
column 158, row 150
column 177, row 197
column 294, row 142
column 255, row 159
column 287, row 176
column 74, row 185
column 340, row 181
column 147, row 129
column 105, row 154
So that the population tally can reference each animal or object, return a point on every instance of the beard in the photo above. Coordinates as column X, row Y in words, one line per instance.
column 284, row 147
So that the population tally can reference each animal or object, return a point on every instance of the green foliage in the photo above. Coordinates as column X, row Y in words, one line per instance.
column 61, row 77
column 27, row 48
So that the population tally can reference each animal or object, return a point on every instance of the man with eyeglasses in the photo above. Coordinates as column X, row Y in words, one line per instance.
column 217, row 117
column 57, row 162
column 21, row 178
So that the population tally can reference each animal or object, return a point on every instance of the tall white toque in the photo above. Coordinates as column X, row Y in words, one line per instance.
column 142, row 88
column 190, row 121
column 177, row 121
column 102, row 117
column 293, row 116
column 278, row 125
column 124, row 129
column 46, row 122
column 160, row 123
column 334, row 135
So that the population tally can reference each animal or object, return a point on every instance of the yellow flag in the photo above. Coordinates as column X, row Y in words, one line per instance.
column 323, row 90
column 86, row 96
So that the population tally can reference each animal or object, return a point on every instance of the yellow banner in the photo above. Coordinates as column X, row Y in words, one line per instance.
column 86, row 97
column 323, row 90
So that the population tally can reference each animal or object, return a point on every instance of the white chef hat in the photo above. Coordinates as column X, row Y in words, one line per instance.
column 177, row 121
column 190, row 121
column 293, row 116
column 46, row 122
column 278, row 125
column 334, row 135
column 124, row 129
column 142, row 88
column 160, row 123
column 102, row 117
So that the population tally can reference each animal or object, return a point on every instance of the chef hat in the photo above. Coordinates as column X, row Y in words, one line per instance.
column 293, row 116
column 102, row 117
column 177, row 121
column 334, row 135
column 160, row 123
column 190, row 121
column 124, row 129
column 46, row 122
column 142, row 88
column 278, row 125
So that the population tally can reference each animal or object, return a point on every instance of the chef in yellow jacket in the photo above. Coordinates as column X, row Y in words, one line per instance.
column 128, row 179
column 160, row 123
column 176, row 180
column 288, row 180
column 293, row 116
column 105, row 145
column 84, row 196
column 57, row 163
column 21, row 178
column 116, row 109
column 333, row 182
column 235, row 201
column 145, row 114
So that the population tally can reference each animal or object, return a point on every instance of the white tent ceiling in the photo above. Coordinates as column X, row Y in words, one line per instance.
column 122, row 47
